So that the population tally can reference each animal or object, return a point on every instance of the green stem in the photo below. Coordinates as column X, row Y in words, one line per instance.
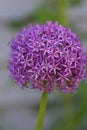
column 42, row 110
column 62, row 11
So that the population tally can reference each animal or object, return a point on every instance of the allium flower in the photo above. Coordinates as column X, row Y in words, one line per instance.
column 48, row 56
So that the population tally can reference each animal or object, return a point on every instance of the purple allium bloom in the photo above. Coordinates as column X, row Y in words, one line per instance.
column 48, row 56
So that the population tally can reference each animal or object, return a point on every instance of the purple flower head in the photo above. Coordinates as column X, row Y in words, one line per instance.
column 48, row 56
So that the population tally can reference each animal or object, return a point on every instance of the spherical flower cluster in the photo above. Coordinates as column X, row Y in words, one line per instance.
column 48, row 56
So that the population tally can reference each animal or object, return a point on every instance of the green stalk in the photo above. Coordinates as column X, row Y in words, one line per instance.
column 42, row 110
column 63, row 6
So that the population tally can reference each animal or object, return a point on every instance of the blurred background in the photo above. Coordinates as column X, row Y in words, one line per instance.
column 19, row 108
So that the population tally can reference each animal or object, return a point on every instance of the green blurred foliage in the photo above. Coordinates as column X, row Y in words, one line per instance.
column 75, row 2
column 75, row 109
column 50, row 10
